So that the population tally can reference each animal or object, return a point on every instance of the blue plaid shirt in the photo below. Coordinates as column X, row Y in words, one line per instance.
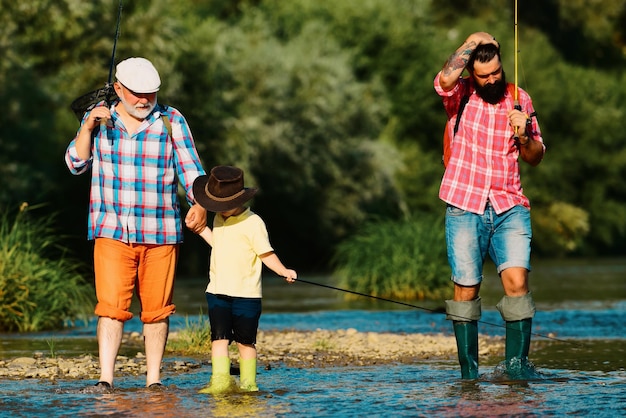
column 134, row 179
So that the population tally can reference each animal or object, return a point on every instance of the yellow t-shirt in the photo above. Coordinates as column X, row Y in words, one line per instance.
column 236, row 268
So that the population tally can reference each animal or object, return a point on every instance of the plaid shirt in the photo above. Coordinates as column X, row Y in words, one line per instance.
column 134, row 179
column 483, row 162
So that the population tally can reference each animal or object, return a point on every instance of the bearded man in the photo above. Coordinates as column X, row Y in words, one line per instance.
column 487, row 211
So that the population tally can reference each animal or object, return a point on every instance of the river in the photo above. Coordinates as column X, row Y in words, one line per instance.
column 580, row 360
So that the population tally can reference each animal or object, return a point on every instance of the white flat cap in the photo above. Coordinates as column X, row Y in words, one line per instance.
column 138, row 75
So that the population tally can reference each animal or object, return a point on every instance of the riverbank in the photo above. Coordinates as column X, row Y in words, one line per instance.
column 300, row 349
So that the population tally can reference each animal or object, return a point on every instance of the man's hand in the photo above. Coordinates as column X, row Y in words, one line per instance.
column 196, row 219
column 97, row 114
column 517, row 120
column 482, row 38
column 530, row 150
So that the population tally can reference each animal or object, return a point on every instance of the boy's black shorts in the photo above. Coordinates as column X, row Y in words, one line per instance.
column 233, row 318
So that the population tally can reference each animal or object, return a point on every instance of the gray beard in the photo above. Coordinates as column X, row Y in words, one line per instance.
column 138, row 112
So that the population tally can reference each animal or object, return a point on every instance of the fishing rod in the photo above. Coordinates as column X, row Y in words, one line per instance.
column 515, row 55
column 517, row 106
column 107, row 93
column 425, row 309
column 109, row 85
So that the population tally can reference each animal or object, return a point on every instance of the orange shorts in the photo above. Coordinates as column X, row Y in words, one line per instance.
column 120, row 267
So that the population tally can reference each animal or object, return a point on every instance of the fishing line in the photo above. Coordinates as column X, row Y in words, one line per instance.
column 425, row 309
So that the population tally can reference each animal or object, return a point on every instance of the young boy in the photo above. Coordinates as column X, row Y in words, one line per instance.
column 240, row 246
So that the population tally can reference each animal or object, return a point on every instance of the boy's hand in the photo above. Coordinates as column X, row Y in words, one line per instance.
column 195, row 219
column 290, row 275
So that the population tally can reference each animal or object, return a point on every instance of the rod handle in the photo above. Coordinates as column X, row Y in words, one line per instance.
column 515, row 130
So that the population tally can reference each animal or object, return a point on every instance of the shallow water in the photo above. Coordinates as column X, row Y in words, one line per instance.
column 427, row 389
column 579, row 354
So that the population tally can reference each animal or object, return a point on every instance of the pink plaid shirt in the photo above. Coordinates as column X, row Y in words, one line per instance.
column 483, row 162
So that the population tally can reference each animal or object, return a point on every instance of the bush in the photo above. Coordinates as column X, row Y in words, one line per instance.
column 396, row 259
column 560, row 228
column 40, row 287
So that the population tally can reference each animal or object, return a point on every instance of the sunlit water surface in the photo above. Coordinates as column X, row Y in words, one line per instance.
column 416, row 390
column 579, row 358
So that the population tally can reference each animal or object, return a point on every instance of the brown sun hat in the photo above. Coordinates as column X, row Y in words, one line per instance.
column 222, row 190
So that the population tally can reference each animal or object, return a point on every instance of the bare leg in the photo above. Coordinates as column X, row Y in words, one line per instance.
column 109, row 334
column 515, row 281
column 155, row 338
column 219, row 348
column 465, row 293
column 247, row 351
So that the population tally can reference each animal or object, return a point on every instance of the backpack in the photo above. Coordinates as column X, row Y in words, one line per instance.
column 447, row 141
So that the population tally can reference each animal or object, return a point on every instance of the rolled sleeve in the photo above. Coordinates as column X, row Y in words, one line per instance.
column 76, row 164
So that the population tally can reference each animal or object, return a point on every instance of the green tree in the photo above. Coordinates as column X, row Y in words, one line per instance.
column 328, row 106
column 293, row 115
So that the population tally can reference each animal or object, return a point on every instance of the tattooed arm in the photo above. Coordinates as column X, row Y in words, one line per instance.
column 453, row 68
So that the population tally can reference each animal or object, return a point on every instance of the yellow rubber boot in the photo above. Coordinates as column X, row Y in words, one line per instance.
column 221, row 381
column 247, row 376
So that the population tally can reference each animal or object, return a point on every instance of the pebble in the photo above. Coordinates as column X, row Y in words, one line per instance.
column 302, row 349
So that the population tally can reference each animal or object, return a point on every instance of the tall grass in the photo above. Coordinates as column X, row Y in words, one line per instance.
column 41, row 288
column 401, row 259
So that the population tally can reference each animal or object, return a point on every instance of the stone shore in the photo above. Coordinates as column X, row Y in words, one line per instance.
column 301, row 349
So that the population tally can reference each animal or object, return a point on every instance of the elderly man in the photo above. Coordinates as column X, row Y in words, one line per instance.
column 138, row 151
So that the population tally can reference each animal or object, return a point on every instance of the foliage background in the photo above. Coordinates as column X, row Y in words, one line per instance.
column 327, row 105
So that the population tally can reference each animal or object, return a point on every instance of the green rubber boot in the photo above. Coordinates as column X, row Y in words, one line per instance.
column 247, row 375
column 466, row 334
column 518, row 339
column 221, row 381
column 518, row 313
column 465, row 316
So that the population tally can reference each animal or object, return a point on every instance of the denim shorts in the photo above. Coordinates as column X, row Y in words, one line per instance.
column 470, row 237
column 233, row 318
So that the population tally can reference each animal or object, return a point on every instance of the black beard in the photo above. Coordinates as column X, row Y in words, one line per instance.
column 492, row 93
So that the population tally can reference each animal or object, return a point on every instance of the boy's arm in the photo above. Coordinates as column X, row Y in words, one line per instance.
column 272, row 261
column 207, row 235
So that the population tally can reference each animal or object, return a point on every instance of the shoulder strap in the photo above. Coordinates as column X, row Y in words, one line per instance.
column 168, row 124
column 464, row 101
column 462, row 104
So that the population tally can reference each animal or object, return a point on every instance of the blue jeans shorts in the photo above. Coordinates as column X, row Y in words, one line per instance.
column 470, row 237
column 233, row 318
